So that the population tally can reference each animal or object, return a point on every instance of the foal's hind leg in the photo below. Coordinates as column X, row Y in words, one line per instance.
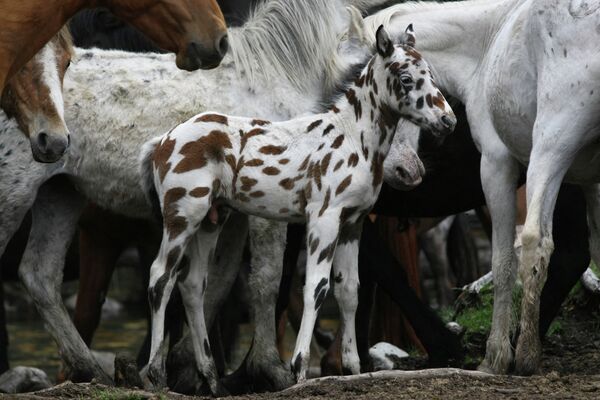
column 192, row 285
column 182, row 212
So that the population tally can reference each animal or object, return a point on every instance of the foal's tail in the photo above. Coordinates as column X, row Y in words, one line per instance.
column 147, row 174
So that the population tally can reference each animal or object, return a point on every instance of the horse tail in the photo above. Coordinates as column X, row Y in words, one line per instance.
column 147, row 175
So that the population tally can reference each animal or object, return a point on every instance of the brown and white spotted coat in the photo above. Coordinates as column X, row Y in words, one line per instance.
column 325, row 170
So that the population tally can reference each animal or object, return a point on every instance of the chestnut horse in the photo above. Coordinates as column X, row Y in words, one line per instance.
column 194, row 29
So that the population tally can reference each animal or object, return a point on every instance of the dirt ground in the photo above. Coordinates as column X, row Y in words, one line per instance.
column 570, row 370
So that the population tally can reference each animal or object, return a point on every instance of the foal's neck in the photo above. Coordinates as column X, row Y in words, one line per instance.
column 370, row 122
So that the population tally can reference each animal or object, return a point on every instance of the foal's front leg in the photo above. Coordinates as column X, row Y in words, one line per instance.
column 345, row 276
column 322, row 235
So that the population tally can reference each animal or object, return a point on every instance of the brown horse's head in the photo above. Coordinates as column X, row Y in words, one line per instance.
column 193, row 29
column 33, row 96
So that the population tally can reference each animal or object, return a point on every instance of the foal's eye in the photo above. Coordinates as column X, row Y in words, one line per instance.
column 406, row 80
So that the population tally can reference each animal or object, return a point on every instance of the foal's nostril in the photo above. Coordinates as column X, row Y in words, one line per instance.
column 223, row 45
column 42, row 140
column 447, row 121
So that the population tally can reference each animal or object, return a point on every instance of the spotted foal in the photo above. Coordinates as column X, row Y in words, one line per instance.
column 325, row 170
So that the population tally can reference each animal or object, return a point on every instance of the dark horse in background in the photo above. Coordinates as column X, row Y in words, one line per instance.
column 452, row 185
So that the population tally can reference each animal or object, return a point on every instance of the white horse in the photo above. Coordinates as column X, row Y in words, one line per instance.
column 528, row 72
column 115, row 101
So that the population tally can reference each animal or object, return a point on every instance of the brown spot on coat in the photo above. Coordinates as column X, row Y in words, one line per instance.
column 304, row 163
column 284, row 210
column 197, row 153
column 343, row 185
column 161, row 156
column 174, row 224
column 284, row 161
column 258, row 193
column 335, row 109
column 338, row 165
column 271, row 149
column 377, row 169
column 353, row 160
column 271, row 171
column 337, row 142
column 247, row 183
column 325, row 202
column 259, row 122
column 287, row 183
column 353, row 100
column 325, row 163
column 219, row 119
column 200, row 191
column 313, row 125
column 249, row 135
column 329, row 128
column 255, row 162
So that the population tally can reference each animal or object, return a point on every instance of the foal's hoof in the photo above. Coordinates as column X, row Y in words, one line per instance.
column 527, row 362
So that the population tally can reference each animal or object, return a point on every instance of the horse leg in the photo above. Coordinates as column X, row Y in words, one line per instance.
column 345, row 276
column 223, row 271
column 592, row 199
column 98, row 253
column 571, row 255
column 374, row 257
column 499, row 174
column 433, row 243
column 549, row 162
column 267, row 246
column 55, row 214
column 192, row 285
column 322, row 234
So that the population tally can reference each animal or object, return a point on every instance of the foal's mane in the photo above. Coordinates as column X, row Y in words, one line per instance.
column 293, row 39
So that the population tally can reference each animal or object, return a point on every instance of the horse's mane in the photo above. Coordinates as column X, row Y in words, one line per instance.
column 282, row 35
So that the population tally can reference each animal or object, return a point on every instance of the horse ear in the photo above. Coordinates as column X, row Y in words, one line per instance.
column 356, row 28
column 408, row 37
column 384, row 44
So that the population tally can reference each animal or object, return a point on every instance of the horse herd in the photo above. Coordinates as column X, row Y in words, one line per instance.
column 522, row 76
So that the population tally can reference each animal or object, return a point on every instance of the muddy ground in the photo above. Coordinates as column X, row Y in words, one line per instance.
column 570, row 370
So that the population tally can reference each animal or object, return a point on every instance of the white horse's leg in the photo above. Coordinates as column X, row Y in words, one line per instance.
column 499, row 175
column 192, row 285
column 267, row 245
column 55, row 215
column 322, row 235
column 345, row 276
column 550, row 160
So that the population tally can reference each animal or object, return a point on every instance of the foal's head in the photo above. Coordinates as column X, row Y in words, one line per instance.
column 34, row 98
column 409, row 87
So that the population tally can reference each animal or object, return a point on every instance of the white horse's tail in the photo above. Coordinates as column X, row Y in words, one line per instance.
column 147, row 175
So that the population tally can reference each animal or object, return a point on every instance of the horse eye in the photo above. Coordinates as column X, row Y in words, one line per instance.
column 406, row 80
column 68, row 65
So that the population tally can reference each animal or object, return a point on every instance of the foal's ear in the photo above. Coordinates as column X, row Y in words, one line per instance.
column 384, row 44
column 408, row 37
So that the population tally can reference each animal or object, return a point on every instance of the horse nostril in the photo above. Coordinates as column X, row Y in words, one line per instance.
column 42, row 140
column 402, row 173
column 223, row 45
column 447, row 121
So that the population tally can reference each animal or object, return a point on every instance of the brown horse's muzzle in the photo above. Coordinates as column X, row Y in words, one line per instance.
column 198, row 56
